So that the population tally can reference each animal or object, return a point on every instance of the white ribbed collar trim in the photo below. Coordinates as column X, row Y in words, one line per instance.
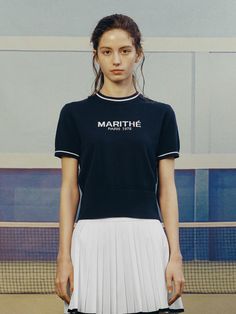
column 117, row 98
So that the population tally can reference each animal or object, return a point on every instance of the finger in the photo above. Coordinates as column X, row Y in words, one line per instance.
column 169, row 284
column 181, row 287
column 57, row 289
column 65, row 297
column 174, row 298
column 177, row 287
column 71, row 280
column 58, row 285
column 63, row 292
column 177, row 292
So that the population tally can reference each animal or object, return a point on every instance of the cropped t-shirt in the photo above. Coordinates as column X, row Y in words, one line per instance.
column 118, row 142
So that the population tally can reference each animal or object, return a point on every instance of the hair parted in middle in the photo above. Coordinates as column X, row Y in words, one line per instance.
column 116, row 21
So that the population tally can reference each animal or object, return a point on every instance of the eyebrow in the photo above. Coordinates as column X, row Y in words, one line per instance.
column 120, row 47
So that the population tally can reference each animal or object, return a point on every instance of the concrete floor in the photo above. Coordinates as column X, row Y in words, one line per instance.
column 52, row 304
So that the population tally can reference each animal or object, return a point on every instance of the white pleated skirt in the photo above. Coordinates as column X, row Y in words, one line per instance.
column 119, row 267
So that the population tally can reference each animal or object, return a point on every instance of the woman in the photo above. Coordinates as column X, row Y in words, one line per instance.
column 118, row 258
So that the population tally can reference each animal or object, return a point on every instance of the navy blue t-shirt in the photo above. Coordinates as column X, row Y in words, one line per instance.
column 118, row 142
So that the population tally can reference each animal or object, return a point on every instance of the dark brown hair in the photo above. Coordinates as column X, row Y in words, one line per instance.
column 107, row 23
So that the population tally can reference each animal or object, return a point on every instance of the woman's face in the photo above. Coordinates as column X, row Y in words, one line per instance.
column 116, row 51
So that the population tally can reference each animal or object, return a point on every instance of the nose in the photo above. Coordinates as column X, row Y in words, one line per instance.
column 116, row 58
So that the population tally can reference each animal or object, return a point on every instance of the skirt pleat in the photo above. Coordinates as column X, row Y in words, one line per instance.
column 119, row 267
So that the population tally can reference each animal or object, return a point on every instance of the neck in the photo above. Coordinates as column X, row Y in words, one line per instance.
column 117, row 92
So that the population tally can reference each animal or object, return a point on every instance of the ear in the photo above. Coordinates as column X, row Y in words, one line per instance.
column 96, row 58
column 139, row 56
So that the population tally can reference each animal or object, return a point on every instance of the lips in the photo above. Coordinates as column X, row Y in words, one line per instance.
column 117, row 70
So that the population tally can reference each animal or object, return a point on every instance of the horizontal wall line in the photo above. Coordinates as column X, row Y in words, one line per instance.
column 150, row 44
column 185, row 161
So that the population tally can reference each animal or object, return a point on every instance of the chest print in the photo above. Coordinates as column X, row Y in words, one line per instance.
column 125, row 125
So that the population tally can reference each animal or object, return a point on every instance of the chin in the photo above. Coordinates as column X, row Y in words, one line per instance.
column 119, row 78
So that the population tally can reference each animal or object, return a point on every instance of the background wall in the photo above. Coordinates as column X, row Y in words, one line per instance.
column 46, row 61
column 164, row 18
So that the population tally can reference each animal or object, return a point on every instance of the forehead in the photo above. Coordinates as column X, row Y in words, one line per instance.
column 115, row 38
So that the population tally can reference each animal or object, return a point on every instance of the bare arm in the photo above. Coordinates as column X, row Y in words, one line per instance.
column 169, row 210
column 169, row 205
column 69, row 199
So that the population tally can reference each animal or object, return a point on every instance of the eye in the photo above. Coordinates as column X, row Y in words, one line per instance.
column 105, row 51
column 126, row 50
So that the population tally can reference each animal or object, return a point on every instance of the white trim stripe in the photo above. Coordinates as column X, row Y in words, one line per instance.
column 124, row 99
column 47, row 160
column 168, row 154
column 65, row 151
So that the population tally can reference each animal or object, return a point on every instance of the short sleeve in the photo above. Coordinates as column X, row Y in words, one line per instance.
column 169, row 143
column 67, row 141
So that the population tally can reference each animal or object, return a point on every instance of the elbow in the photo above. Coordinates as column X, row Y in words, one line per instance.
column 71, row 191
column 166, row 190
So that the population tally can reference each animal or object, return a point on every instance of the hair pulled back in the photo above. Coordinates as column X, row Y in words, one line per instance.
column 115, row 21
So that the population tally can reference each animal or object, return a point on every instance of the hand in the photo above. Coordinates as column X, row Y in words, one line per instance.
column 63, row 272
column 174, row 272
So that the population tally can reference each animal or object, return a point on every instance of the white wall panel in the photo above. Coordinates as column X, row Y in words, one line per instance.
column 34, row 86
column 215, row 117
column 168, row 79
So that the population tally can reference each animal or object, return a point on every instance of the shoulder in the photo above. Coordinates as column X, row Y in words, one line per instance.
column 162, row 107
column 74, row 107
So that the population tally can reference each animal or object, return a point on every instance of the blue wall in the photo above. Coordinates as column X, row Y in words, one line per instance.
column 33, row 194
column 203, row 195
